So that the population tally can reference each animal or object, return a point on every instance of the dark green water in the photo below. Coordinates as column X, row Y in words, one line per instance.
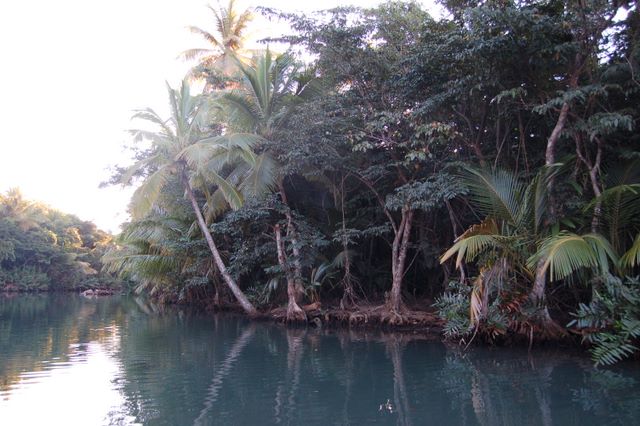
column 75, row 361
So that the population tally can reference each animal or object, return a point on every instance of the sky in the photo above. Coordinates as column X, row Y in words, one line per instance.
column 73, row 71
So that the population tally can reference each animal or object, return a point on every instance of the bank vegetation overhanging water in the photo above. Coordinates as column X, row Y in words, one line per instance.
column 483, row 166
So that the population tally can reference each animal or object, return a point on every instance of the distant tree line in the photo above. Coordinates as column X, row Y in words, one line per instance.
column 42, row 249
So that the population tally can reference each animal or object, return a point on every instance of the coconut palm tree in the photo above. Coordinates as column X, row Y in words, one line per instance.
column 225, row 42
column 271, row 86
column 179, row 149
column 619, row 206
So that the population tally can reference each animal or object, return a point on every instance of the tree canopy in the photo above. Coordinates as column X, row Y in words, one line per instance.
column 503, row 135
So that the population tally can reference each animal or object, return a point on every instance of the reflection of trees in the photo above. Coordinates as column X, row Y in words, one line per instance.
column 35, row 329
column 224, row 370
column 295, row 344
column 180, row 368
column 395, row 346
column 546, row 388
column 609, row 395
column 499, row 389
column 168, row 363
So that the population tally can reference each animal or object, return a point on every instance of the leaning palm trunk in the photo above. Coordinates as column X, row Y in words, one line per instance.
column 228, row 279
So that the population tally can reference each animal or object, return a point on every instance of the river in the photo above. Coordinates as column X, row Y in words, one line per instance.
column 69, row 360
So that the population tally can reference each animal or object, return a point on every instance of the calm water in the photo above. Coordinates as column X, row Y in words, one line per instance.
column 74, row 361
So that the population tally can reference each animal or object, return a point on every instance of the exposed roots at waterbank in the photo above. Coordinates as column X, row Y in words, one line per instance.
column 364, row 316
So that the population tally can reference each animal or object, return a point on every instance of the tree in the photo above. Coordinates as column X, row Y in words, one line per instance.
column 506, row 239
column 225, row 44
column 271, row 86
column 179, row 149
column 42, row 249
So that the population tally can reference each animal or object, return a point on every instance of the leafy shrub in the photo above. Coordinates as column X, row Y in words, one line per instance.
column 611, row 322
column 27, row 278
column 453, row 308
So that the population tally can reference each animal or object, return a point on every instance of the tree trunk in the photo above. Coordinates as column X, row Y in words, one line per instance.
column 291, row 232
column 398, row 259
column 594, row 170
column 550, row 153
column 349, row 295
column 228, row 279
column 550, row 328
column 539, row 285
column 294, row 312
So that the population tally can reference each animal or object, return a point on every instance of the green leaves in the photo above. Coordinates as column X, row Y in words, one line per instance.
column 148, row 192
column 611, row 321
column 497, row 194
column 631, row 258
column 426, row 195
column 566, row 253
column 473, row 242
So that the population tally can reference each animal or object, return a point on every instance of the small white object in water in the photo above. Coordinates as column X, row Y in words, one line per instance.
column 387, row 406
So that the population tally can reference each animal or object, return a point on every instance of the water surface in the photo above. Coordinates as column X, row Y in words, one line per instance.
column 76, row 361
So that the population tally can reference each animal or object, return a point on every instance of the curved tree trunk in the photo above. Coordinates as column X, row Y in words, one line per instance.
column 228, row 279
column 540, row 282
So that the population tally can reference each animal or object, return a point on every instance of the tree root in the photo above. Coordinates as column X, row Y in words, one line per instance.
column 358, row 318
column 295, row 314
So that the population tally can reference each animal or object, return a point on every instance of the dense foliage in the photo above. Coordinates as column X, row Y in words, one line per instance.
column 42, row 249
column 503, row 136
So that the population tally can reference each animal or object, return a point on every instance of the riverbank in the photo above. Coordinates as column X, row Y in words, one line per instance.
column 89, row 292
column 418, row 319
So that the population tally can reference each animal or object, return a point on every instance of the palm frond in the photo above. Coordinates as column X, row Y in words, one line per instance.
column 261, row 177
column 631, row 258
column 230, row 193
column 151, row 116
column 566, row 253
column 473, row 242
column 210, row 38
column 148, row 192
column 495, row 193
column 196, row 53
column 241, row 110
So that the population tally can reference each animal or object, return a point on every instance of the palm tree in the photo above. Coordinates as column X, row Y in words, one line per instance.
column 271, row 86
column 180, row 150
column 25, row 214
column 147, row 253
column 507, row 238
column 512, row 241
column 225, row 43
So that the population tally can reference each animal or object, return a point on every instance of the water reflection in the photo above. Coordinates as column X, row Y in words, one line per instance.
column 112, row 361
